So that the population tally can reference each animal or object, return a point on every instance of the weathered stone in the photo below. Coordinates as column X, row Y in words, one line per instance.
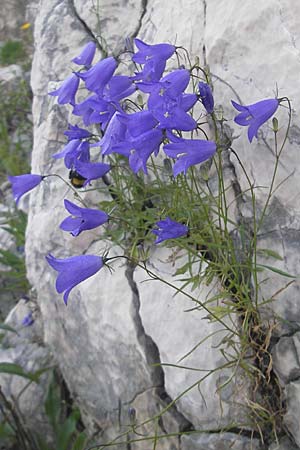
column 10, row 75
column 176, row 335
column 218, row 441
column 291, row 418
column 26, row 349
column 286, row 358
column 108, row 337
column 284, row 444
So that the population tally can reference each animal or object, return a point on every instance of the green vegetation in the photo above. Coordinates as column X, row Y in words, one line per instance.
column 12, row 52
column 64, row 420
column 15, row 130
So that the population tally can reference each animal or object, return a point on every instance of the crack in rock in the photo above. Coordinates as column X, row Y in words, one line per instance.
column 144, row 5
column 85, row 26
column 204, row 28
column 152, row 354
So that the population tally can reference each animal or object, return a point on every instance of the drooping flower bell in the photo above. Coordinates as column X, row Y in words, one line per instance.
column 99, row 75
column 86, row 56
column 21, row 184
column 169, row 229
column 91, row 171
column 67, row 91
column 82, row 218
column 188, row 152
column 75, row 132
column 74, row 270
column 206, row 97
column 154, row 58
column 255, row 115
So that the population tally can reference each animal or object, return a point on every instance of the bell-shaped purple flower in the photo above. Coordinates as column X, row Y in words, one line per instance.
column 67, row 91
column 206, row 97
column 28, row 320
column 95, row 109
column 139, row 149
column 86, row 56
column 139, row 122
column 114, row 133
column 99, row 75
column 119, row 86
column 91, row 171
column 74, row 150
column 168, row 103
column 169, row 229
column 74, row 132
column 21, row 184
column 82, row 219
column 255, row 115
column 188, row 152
column 146, row 52
column 74, row 270
column 153, row 57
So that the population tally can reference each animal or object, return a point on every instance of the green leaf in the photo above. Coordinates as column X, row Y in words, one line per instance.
column 80, row 442
column 53, row 405
column 6, row 431
column 15, row 369
column 181, row 270
column 5, row 327
column 269, row 253
column 274, row 269
column 67, row 429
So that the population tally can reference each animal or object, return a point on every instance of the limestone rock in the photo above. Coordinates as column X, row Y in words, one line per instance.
column 219, row 441
column 284, row 444
column 286, row 358
column 26, row 349
column 112, row 330
column 291, row 418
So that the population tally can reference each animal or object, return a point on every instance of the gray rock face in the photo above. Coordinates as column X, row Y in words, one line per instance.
column 116, row 328
column 221, row 441
column 26, row 348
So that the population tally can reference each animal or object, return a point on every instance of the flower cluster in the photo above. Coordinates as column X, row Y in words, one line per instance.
column 163, row 124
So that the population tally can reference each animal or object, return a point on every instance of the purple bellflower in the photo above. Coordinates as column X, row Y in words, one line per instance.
column 95, row 109
column 138, row 122
column 139, row 149
column 82, row 218
column 21, row 184
column 119, row 86
column 168, row 103
column 255, row 115
column 74, row 132
column 114, row 133
column 74, row 150
column 99, row 75
column 91, row 171
column 188, row 152
column 28, row 320
column 67, row 91
column 206, row 97
column 153, row 57
column 74, row 270
column 86, row 56
column 146, row 52
column 169, row 229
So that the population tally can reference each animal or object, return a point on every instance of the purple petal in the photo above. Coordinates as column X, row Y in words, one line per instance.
column 91, row 171
column 86, row 56
column 21, row 184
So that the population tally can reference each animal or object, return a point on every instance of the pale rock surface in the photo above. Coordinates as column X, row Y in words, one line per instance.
column 10, row 75
column 221, row 441
column 291, row 418
column 283, row 444
column 105, row 339
column 26, row 348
